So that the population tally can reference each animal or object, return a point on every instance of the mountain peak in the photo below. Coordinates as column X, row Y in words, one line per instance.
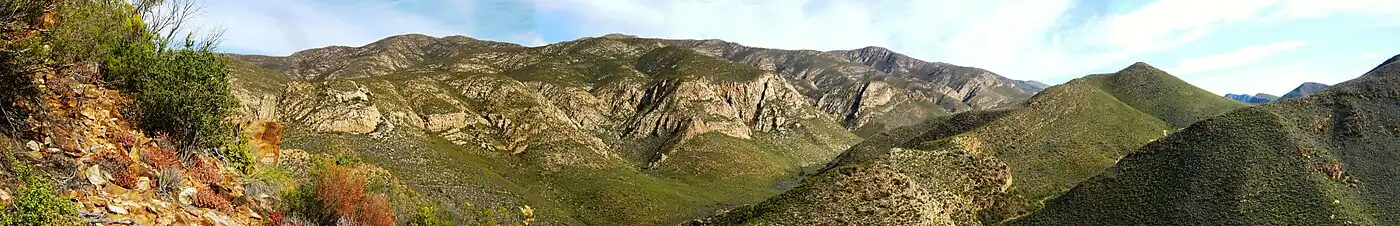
column 1393, row 64
column 619, row 36
column 1140, row 66
column 408, row 37
column 1307, row 88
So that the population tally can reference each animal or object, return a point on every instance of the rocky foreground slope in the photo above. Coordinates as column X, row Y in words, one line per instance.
column 987, row 166
column 599, row 130
column 1325, row 159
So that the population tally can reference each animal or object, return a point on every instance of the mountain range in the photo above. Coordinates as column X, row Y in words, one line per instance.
column 988, row 166
column 1307, row 88
column 601, row 129
column 626, row 130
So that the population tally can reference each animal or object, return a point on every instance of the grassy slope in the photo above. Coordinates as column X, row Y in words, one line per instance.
column 1267, row 164
column 708, row 173
column 1167, row 97
column 1062, row 136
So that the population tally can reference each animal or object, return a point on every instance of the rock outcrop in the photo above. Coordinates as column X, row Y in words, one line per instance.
column 841, row 82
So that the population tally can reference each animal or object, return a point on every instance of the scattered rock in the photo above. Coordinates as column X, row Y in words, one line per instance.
column 185, row 195
column 33, row 146
column 117, row 209
column 4, row 198
column 143, row 183
column 35, row 155
column 94, row 176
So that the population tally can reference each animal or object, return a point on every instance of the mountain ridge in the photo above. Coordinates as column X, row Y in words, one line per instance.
column 1320, row 159
column 840, row 82
column 1307, row 88
column 959, row 169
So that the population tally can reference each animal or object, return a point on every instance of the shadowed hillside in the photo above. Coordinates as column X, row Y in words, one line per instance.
column 1325, row 159
column 991, row 165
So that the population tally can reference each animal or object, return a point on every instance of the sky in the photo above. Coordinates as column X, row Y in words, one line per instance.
column 1224, row 46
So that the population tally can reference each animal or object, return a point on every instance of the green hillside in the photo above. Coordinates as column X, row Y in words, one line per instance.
column 1326, row 159
column 595, row 131
column 993, row 165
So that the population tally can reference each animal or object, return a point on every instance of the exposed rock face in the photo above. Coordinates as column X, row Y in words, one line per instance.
column 1307, row 88
column 593, row 105
column 340, row 106
column 598, row 103
column 840, row 81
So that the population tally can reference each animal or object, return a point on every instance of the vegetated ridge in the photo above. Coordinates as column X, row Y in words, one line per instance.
column 987, row 166
column 1324, row 159
column 604, row 130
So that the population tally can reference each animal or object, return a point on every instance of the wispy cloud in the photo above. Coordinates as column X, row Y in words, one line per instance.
column 1372, row 56
column 1271, row 80
column 1233, row 58
column 281, row 27
column 1021, row 39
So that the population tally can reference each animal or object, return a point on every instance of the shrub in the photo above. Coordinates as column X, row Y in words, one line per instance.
column 168, row 180
column 339, row 195
column 206, row 170
column 375, row 210
column 302, row 203
column 35, row 202
column 182, row 90
column 207, row 198
column 161, row 158
column 427, row 215
column 341, row 189
column 184, row 93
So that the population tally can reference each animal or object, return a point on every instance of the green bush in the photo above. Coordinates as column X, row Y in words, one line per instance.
column 427, row 215
column 181, row 90
column 36, row 202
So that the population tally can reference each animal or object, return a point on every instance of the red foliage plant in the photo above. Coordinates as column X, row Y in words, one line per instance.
column 161, row 158
column 207, row 170
column 375, row 211
column 206, row 198
column 343, row 190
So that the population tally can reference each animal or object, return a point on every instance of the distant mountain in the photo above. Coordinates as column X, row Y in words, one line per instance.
column 606, row 130
column 987, row 166
column 873, row 89
column 1252, row 99
column 1305, row 89
column 1031, row 85
column 1324, row 159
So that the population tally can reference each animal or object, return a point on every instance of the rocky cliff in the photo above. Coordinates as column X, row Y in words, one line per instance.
column 872, row 89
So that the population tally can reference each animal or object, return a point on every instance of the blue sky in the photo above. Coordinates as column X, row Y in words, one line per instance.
column 1225, row 46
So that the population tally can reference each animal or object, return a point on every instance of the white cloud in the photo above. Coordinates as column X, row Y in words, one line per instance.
column 527, row 39
column 1032, row 39
column 1271, row 80
column 1322, row 8
column 1021, row 39
column 280, row 27
column 1372, row 56
column 1234, row 58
